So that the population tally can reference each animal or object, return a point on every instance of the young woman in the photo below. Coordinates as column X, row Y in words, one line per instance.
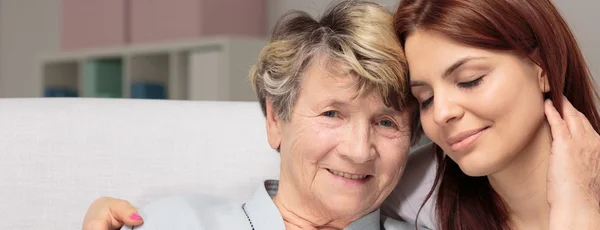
column 485, row 74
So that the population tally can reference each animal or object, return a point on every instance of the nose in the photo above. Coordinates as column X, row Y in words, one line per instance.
column 357, row 146
column 446, row 110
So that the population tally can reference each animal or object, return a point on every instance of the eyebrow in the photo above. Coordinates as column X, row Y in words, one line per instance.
column 337, row 103
column 458, row 64
column 448, row 70
column 387, row 111
column 332, row 102
column 380, row 111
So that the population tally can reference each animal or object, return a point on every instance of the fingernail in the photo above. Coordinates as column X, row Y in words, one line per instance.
column 135, row 217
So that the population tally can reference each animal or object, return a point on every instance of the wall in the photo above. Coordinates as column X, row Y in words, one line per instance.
column 276, row 8
column 27, row 29
column 583, row 19
column 31, row 27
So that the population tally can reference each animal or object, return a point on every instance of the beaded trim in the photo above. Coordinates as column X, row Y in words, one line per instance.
column 244, row 209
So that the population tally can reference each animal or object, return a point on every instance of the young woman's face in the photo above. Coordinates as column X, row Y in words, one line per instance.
column 482, row 107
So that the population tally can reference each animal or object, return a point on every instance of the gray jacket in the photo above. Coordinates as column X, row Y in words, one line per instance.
column 259, row 213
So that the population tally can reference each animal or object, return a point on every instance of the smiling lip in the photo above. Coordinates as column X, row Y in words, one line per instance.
column 465, row 139
column 353, row 181
column 351, row 176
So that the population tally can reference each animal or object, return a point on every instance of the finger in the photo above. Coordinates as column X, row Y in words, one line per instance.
column 96, row 225
column 550, row 196
column 572, row 117
column 125, row 213
column 586, row 124
column 558, row 126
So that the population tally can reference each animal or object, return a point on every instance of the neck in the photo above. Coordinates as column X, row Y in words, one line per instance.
column 522, row 185
column 297, row 213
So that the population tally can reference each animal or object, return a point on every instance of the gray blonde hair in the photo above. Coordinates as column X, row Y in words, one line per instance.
column 357, row 34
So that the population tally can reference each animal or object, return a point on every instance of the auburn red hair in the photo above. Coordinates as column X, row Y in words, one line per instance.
column 533, row 28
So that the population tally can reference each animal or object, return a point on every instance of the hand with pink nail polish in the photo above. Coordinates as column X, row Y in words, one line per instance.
column 107, row 213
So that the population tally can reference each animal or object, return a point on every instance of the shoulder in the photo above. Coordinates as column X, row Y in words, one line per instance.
column 192, row 212
column 393, row 224
column 417, row 180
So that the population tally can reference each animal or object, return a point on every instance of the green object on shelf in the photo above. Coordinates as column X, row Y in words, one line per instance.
column 104, row 78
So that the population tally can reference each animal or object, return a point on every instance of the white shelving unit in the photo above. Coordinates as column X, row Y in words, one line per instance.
column 203, row 69
column 61, row 74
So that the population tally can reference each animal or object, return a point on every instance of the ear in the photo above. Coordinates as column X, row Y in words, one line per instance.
column 542, row 76
column 274, row 125
column 543, row 81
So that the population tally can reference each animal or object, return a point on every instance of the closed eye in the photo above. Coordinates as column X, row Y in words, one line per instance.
column 470, row 84
column 426, row 103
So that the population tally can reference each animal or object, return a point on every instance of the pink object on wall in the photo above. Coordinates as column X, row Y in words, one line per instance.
column 92, row 24
column 237, row 17
column 160, row 20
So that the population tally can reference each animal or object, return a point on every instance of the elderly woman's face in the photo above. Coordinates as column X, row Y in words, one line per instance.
column 339, row 152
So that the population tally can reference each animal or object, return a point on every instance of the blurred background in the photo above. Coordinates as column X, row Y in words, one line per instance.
column 166, row 49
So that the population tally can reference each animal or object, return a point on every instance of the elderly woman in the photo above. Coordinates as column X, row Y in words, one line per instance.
column 331, row 92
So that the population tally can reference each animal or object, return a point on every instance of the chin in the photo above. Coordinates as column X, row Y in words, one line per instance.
column 347, row 205
column 479, row 166
column 474, row 171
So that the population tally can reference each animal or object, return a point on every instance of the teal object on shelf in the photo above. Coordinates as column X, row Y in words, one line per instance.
column 104, row 78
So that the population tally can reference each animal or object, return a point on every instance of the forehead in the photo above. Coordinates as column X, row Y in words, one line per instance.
column 426, row 42
column 326, row 73
column 429, row 53
column 334, row 85
column 325, row 79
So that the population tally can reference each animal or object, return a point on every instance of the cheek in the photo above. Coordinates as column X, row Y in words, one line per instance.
column 430, row 128
column 393, row 155
column 518, row 113
column 512, row 99
column 312, row 141
column 492, row 101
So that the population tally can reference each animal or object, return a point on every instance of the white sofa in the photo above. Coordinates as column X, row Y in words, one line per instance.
column 58, row 155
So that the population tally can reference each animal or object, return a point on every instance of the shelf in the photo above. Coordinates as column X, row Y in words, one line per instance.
column 60, row 79
column 212, row 68
column 149, row 75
